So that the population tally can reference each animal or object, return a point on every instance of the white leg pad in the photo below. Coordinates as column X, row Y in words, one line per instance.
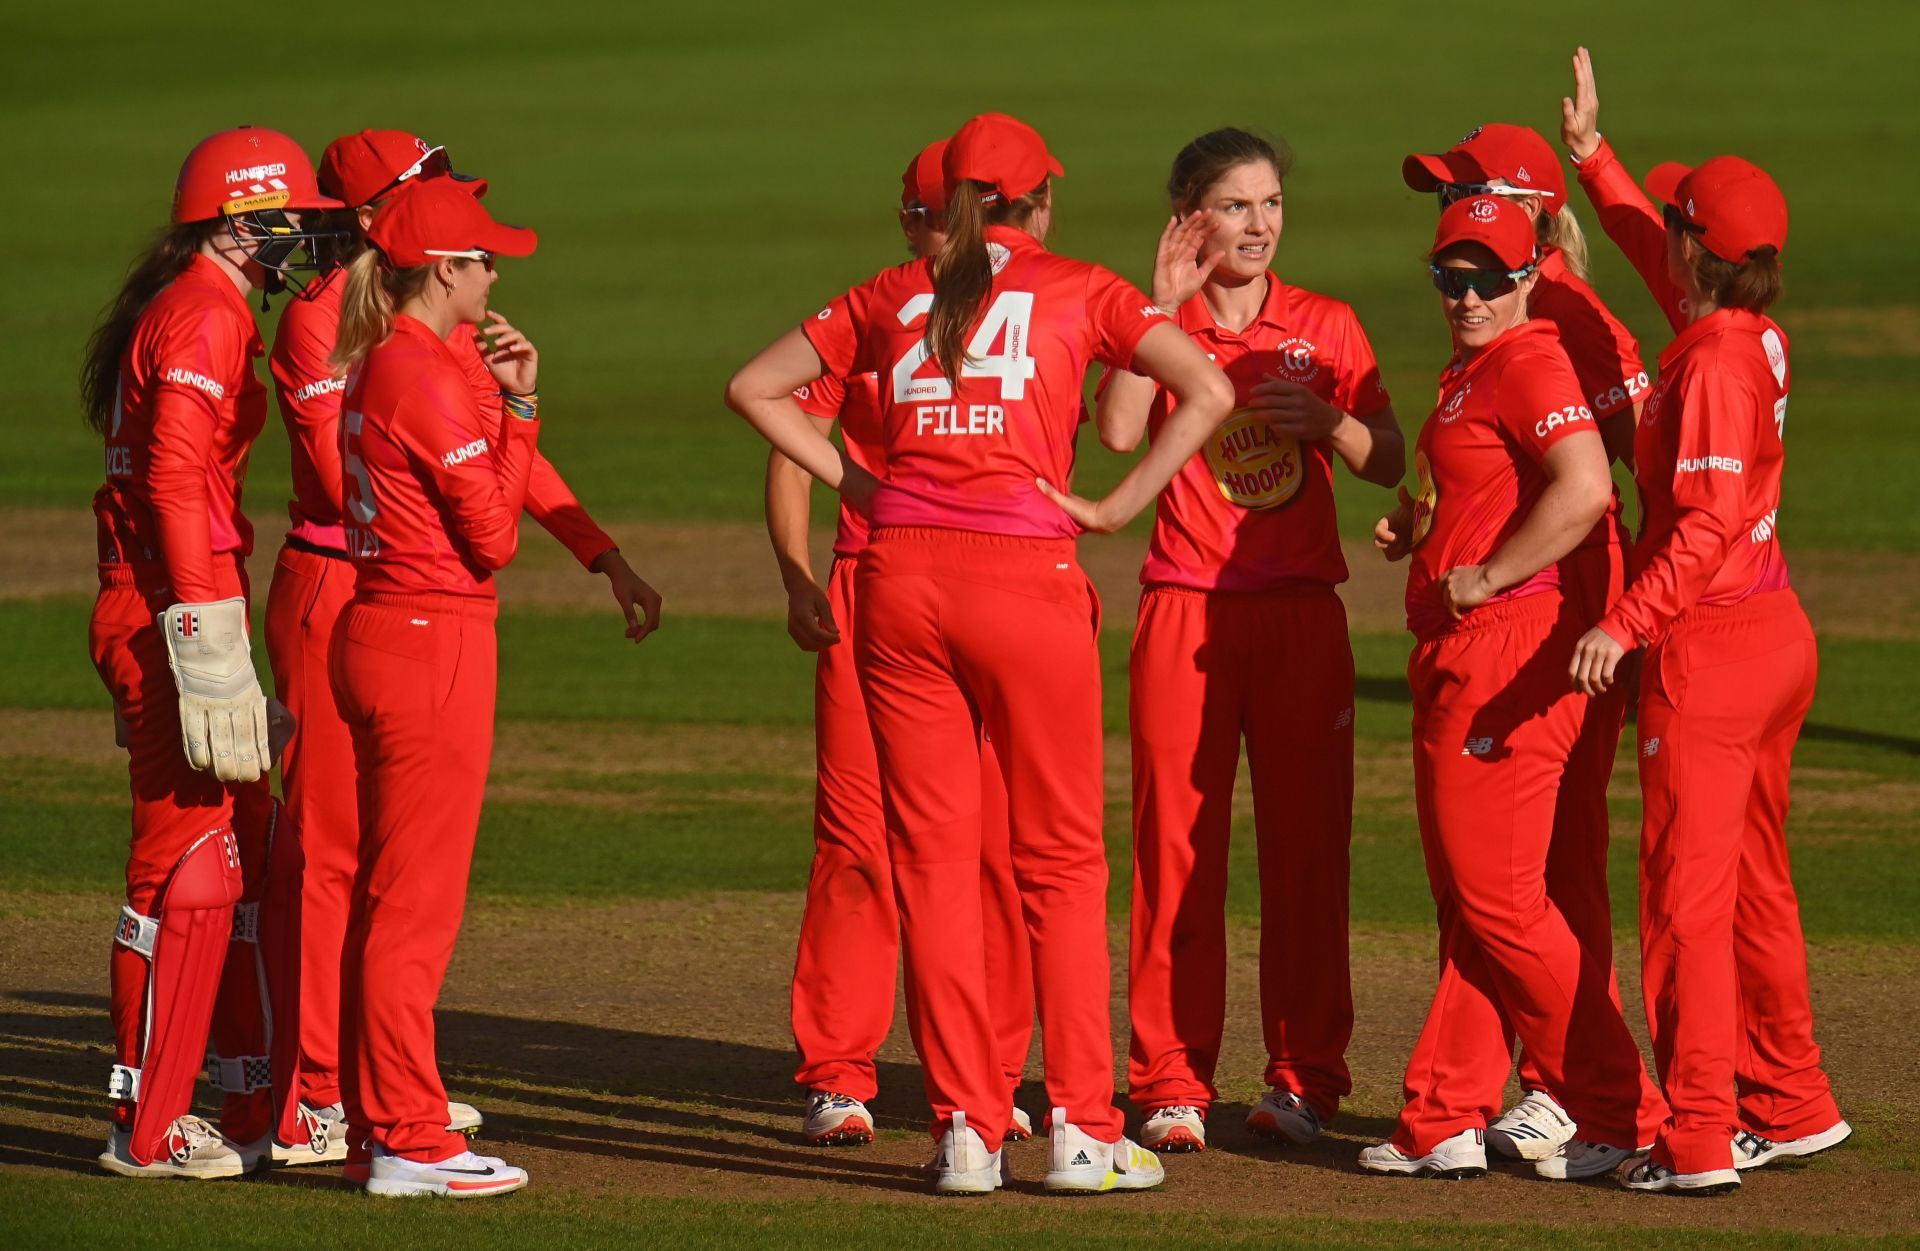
column 239, row 1075
column 135, row 932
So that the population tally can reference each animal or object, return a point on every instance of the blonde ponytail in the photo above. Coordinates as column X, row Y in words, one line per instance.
column 963, row 271
column 1562, row 230
column 367, row 304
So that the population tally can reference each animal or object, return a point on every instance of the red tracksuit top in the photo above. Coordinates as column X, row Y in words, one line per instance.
column 1709, row 455
column 185, row 415
column 855, row 403
column 309, row 391
column 968, row 461
column 434, row 484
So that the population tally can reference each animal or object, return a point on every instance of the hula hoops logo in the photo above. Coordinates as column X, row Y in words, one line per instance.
column 1255, row 465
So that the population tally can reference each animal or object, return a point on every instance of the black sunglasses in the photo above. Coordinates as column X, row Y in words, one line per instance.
column 1488, row 284
column 1676, row 220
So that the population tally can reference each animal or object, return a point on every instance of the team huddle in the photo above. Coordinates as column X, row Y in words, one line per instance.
column 296, row 946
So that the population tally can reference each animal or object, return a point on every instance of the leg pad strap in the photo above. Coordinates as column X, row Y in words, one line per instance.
column 239, row 1075
column 135, row 932
column 124, row 1084
column 246, row 922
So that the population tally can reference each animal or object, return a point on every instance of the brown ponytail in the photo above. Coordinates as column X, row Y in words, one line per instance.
column 963, row 271
column 1752, row 284
column 367, row 303
column 164, row 260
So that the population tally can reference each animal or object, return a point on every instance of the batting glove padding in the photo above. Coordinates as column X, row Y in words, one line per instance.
column 223, row 714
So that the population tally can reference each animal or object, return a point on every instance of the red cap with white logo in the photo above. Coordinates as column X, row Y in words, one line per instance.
column 924, row 185
column 1730, row 203
column 1001, row 151
column 427, row 220
column 242, row 170
column 1497, row 150
column 1492, row 221
column 363, row 167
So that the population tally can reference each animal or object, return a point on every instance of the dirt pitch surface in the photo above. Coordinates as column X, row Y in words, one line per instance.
column 642, row 1048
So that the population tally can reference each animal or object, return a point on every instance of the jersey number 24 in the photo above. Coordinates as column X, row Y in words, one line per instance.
column 1011, row 313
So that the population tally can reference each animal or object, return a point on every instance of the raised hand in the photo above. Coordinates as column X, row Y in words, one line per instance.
column 509, row 354
column 1580, row 113
column 1178, row 271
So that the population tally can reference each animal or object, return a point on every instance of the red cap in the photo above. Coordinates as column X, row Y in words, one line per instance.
column 361, row 168
column 1733, row 204
column 243, row 169
column 439, row 216
column 924, row 185
column 999, row 150
column 1496, row 150
column 1495, row 222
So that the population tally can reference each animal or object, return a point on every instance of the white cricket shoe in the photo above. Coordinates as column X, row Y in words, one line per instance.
column 1463, row 1155
column 464, row 1176
column 1532, row 1129
column 1020, row 1128
column 325, row 1141
column 1282, row 1116
column 836, row 1121
column 1178, row 1127
column 1750, row 1150
column 463, row 1118
column 1580, row 1159
column 1077, row 1162
column 1643, row 1174
column 193, row 1149
column 961, row 1163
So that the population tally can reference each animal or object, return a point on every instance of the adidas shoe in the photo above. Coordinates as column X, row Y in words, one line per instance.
column 1077, row 1162
column 1750, row 1150
column 1020, row 1128
column 1579, row 1159
column 192, row 1149
column 463, row 1118
column 1178, row 1127
column 962, row 1165
column 1642, row 1173
column 1461, row 1156
column 836, row 1121
column 464, row 1176
column 1532, row 1129
column 1283, row 1116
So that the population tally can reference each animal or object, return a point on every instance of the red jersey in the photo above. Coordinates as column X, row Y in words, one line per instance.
column 1635, row 227
column 855, row 403
column 185, row 416
column 1254, row 509
column 1478, row 458
column 309, row 391
column 966, row 458
column 434, row 484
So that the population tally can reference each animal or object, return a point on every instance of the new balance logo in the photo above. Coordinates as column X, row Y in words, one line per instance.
column 1343, row 719
column 1478, row 747
column 1651, row 747
column 1079, row 1158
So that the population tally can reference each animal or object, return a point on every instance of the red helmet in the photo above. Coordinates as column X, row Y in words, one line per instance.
column 242, row 170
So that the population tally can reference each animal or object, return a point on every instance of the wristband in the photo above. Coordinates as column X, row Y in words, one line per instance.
column 524, row 407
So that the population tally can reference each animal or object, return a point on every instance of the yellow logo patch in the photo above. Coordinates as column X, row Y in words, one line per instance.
column 1424, row 501
column 1255, row 465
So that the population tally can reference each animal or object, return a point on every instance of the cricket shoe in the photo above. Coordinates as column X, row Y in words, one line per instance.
column 325, row 1141
column 1643, row 1173
column 1177, row 1127
column 1461, row 1156
column 1580, row 1159
column 463, row 1118
column 464, row 1176
column 1020, row 1127
column 1283, row 1116
column 192, row 1149
column 962, row 1165
column 1750, row 1150
column 836, row 1121
column 1532, row 1129
column 1079, row 1163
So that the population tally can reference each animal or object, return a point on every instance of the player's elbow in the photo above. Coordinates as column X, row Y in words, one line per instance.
column 1121, row 436
column 742, row 391
column 496, row 551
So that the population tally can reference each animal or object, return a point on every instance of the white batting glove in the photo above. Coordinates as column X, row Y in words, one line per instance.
column 223, row 714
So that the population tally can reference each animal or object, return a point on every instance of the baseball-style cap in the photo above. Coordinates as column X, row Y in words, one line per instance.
column 361, row 168
column 924, row 185
column 1729, row 203
column 439, row 217
column 243, row 170
column 1493, row 221
column 1496, row 150
column 1002, row 151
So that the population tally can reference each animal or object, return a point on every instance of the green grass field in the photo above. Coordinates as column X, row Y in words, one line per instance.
column 703, row 177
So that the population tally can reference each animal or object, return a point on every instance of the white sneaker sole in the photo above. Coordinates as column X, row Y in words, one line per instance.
column 1428, row 1167
column 196, row 1171
column 1799, row 1148
column 1717, row 1181
column 980, row 1181
column 394, row 1187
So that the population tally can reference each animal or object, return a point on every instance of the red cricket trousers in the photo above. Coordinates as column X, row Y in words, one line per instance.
column 1494, row 721
column 960, row 632
column 1723, row 962
column 1590, row 580
column 843, row 975
column 414, row 676
column 319, row 782
column 1208, row 668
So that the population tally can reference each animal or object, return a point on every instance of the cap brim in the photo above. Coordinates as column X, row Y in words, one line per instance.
column 318, row 202
column 1663, row 181
column 476, row 186
column 1054, row 167
column 510, row 240
column 1426, row 171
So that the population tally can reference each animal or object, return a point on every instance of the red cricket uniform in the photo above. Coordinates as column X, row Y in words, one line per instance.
column 849, row 947
column 1493, row 725
column 1606, row 360
column 1725, row 685
column 973, row 613
column 434, row 489
column 171, row 530
column 313, row 581
column 1246, row 553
